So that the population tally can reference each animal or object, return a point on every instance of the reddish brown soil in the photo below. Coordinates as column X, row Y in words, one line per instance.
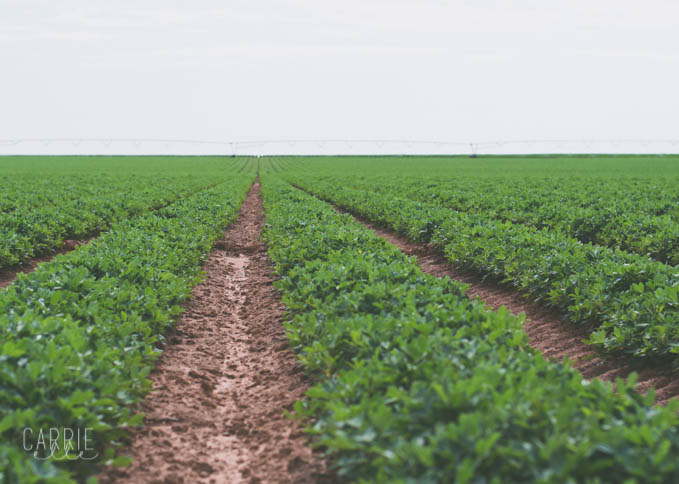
column 547, row 330
column 8, row 276
column 225, row 379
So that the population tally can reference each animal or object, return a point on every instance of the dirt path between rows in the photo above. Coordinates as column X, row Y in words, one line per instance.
column 8, row 276
column 225, row 379
column 546, row 329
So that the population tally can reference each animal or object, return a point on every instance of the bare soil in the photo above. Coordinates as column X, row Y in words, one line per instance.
column 546, row 329
column 216, row 412
column 8, row 276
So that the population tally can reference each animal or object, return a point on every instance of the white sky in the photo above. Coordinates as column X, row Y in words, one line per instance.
column 358, row 69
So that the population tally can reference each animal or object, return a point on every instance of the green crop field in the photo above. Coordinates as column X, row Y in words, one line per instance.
column 412, row 381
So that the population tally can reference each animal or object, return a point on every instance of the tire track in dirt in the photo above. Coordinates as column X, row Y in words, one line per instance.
column 548, row 332
column 8, row 276
column 220, row 389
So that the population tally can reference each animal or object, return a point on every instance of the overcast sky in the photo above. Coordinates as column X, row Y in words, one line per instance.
column 250, row 70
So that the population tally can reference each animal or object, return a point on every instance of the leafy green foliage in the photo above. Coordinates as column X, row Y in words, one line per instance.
column 632, row 300
column 78, row 336
column 40, row 209
column 420, row 384
column 628, row 202
column 644, row 221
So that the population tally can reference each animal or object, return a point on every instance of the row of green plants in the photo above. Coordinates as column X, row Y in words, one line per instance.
column 416, row 383
column 21, row 191
column 646, row 171
column 76, row 207
column 78, row 336
column 623, row 214
column 601, row 183
column 631, row 301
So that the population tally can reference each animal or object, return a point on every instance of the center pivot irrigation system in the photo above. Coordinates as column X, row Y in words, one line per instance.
column 140, row 146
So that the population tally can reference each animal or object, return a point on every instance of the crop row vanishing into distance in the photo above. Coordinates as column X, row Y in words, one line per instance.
column 638, row 215
column 630, row 301
column 420, row 384
column 414, row 382
column 38, row 213
column 79, row 334
column 644, row 220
